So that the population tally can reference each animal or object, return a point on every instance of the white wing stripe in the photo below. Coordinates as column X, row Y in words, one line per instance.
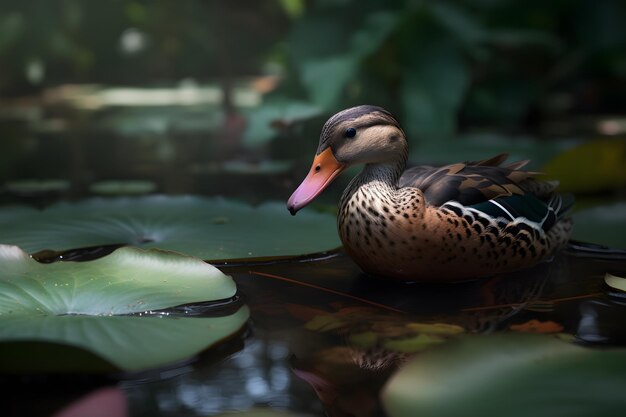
column 502, row 208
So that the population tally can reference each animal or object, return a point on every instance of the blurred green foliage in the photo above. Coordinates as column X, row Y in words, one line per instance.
column 47, row 42
column 597, row 165
column 446, row 68
column 440, row 64
column 444, row 63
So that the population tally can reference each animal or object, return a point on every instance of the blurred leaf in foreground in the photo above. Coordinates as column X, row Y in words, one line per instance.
column 512, row 375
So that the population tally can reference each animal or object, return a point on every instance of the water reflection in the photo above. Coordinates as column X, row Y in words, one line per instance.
column 319, row 352
column 602, row 321
column 260, row 375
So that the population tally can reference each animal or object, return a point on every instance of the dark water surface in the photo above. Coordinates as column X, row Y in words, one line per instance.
column 301, row 349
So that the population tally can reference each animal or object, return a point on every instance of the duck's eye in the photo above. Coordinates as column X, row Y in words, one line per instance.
column 350, row 132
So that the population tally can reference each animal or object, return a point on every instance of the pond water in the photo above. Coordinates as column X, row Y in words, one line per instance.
column 301, row 349
column 322, row 338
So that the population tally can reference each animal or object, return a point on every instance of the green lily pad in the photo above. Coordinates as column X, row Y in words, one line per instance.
column 128, row 187
column 512, row 375
column 129, row 280
column 130, row 343
column 256, row 168
column 207, row 228
column 74, row 304
column 615, row 282
column 35, row 186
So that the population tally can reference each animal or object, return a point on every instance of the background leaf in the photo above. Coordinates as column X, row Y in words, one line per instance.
column 208, row 228
column 434, row 85
column 595, row 165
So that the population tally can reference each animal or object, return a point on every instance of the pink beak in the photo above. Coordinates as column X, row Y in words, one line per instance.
column 323, row 171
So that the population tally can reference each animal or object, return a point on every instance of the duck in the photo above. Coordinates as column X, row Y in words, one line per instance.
column 449, row 223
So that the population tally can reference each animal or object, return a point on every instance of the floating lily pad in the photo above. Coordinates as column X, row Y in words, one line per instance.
column 615, row 282
column 509, row 374
column 257, row 168
column 207, row 228
column 128, row 187
column 130, row 343
column 37, row 187
column 74, row 303
column 129, row 280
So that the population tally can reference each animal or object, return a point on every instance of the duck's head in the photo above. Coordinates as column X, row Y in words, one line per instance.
column 358, row 135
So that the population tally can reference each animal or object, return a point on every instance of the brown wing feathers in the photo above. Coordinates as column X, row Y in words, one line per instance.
column 470, row 182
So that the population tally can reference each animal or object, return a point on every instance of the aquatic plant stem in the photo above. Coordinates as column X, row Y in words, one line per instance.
column 556, row 300
column 328, row 290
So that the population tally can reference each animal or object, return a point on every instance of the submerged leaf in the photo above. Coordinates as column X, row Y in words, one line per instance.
column 512, row 374
column 436, row 328
column 184, row 224
column 324, row 323
column 414, row 344
column 536, row 326
column 364, row 340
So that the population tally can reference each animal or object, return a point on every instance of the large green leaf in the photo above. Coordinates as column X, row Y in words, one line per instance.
column 208, row 228
column 73, row 304
column 129, row 280
column 459, row 22
column 512, row 375
column 434, row 86
column 326, row 78
column 376, row 28
column 130, row 343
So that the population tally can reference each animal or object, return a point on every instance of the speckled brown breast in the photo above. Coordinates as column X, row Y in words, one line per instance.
column 393, row 233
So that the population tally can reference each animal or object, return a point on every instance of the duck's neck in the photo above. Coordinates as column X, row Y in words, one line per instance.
column 377, row 179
